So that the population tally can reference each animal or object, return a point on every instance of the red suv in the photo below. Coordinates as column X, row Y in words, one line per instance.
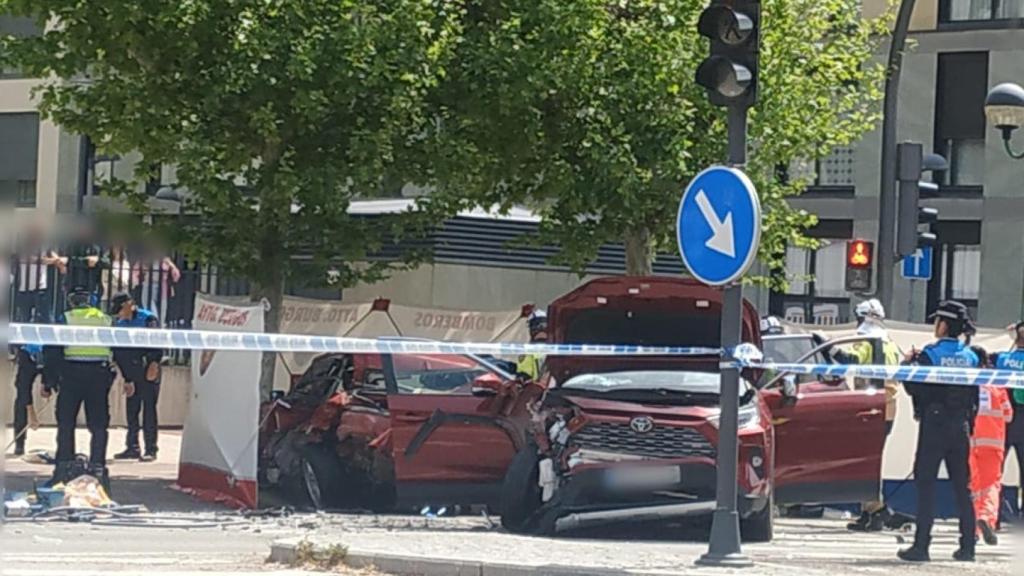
column 634, row 438
column 596, row 439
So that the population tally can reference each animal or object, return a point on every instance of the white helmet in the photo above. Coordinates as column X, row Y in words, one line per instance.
column 870, row 309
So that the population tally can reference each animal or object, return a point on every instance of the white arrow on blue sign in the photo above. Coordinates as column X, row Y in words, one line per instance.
column 719, row 225
column 918, row 266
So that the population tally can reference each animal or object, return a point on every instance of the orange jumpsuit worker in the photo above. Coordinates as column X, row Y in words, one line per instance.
column 987, row 451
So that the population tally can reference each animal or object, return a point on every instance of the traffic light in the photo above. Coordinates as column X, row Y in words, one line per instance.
column 911, row 164
column 730, row 71
column 860, row 261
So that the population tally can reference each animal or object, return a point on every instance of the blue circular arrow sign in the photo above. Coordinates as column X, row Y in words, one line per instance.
column 719, row 225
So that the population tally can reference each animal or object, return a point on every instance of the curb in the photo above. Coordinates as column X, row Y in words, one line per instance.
column 284, row 552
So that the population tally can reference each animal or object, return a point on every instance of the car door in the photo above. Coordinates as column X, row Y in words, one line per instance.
column 450, row 446
column 828, row 442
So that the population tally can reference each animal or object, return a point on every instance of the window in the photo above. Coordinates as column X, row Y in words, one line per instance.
column 436, row 374
column 834, row 170
column 817, row 285
column 960, row 116
column 957, row 264
column 19, row 148
column 18, row 27
column 980, row 10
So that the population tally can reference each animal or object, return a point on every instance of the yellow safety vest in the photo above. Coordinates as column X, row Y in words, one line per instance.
column 530, row 364
column 87, row 317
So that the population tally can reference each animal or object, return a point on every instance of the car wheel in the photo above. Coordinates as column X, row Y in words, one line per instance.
column 760, row 526
column 520, row 494
column 320, row 477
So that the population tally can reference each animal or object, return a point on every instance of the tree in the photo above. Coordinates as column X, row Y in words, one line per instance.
column 276, row 115
column 587, row 110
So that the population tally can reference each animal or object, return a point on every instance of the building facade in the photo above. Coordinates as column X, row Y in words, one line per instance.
column 958, row 49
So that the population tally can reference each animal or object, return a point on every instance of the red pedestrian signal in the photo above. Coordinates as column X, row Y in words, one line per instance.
column 859, row 253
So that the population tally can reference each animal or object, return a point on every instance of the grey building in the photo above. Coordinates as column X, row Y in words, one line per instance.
column 959, row 48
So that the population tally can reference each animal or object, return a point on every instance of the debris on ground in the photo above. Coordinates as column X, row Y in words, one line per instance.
column 86, row 492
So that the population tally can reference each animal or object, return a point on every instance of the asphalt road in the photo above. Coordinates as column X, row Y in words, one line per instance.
column 241, row 545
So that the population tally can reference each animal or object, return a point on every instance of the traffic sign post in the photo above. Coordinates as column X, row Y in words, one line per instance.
column 918, row 266
column 719, row 230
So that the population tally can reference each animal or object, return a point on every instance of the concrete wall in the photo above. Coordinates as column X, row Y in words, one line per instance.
column 16, row 96
column 464, row 287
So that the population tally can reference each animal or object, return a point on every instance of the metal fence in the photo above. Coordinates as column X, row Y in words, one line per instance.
column 165, row 285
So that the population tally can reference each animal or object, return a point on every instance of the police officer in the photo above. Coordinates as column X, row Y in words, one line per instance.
column 30, row 364
column 84, row 375
column 946, row 415
column 530, row 366
column 1014, row 360
column 871, row 323
column 140, row 368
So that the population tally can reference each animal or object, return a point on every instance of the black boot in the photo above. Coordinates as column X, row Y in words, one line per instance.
column 61, row 474
column 19, row 447
column 914, row 554
column 879, row 520
column 964, row 554
column 99, row 471
column 862, row 524
column 128, row 454
column 987, row 533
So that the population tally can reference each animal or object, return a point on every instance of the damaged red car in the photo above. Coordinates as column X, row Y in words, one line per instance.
column 628, row 439
column 380, row 431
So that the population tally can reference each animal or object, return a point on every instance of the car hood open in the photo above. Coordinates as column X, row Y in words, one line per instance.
column 641, row 310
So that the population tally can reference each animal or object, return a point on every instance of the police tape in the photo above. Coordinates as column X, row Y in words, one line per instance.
column 745, row 355
column 61, row 335
column 919, row 374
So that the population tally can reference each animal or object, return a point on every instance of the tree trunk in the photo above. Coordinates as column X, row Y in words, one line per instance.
column 273, row 292
column 639, row 252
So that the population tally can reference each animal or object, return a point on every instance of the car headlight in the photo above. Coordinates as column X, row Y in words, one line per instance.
column 749, row 417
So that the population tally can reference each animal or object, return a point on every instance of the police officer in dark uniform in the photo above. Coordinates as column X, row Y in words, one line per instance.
column 946, row 415
column 84, row 375
column 30, row 364
column 1014, row 360
column 140, row 368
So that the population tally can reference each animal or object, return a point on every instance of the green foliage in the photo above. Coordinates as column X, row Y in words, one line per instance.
column 276, row 113
column 587, row 111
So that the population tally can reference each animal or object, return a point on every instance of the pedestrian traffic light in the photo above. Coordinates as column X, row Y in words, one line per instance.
column 911, row 164
column 860, row 260
column 730, row 70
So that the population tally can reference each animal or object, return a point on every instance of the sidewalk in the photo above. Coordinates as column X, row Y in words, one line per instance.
column 818, row 548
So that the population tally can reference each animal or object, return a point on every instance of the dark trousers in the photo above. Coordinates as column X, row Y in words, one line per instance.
column 88, row 384
column 143, row 401
column 943, row 436
column 1015, row 441
column 23, row 380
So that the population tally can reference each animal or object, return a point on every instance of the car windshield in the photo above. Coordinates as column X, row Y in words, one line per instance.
column 786, row 349
column 686, row 382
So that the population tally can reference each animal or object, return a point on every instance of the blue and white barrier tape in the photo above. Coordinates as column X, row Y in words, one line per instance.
column 59, row 335
column 746, row 355
column 922, row 374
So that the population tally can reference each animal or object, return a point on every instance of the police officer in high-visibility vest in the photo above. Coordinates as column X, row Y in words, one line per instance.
column 871, row 323
column 946, row 418
column 1014, row 360
column 85, row 378
column 530, row 366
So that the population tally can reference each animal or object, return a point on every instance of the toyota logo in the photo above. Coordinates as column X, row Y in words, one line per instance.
column 641, row 424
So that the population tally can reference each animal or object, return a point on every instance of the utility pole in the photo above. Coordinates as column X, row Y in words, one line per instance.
column 887, row 186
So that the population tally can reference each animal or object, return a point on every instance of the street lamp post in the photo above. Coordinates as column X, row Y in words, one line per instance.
column 1004, row 108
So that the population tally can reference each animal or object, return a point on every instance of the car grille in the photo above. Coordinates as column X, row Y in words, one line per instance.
column 660, row 442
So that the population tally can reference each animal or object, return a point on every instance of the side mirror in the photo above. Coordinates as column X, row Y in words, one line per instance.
column 487, row 385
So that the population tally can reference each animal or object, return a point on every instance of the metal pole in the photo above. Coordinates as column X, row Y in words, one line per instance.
column 887, row 186
column 724, row 546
